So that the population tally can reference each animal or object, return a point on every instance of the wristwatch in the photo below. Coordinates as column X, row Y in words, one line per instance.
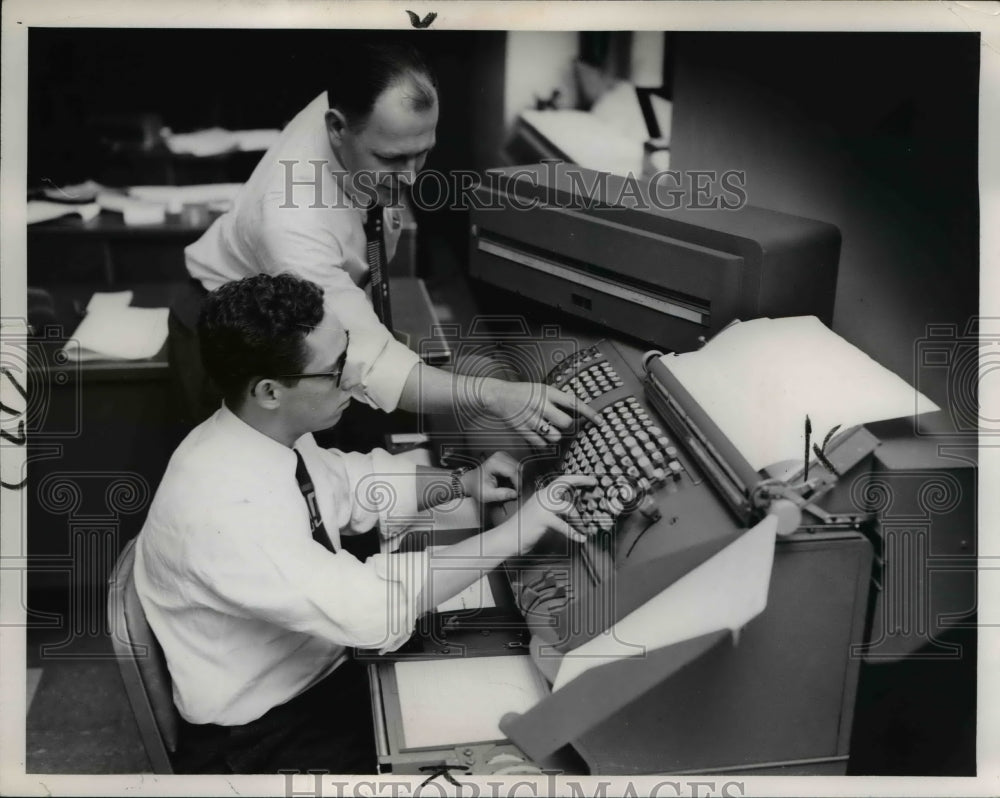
column 457, row 489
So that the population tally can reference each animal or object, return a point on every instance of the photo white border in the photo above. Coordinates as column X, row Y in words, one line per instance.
column 19, row 15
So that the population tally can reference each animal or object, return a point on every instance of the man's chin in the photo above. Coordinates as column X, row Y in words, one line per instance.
column 339, row 412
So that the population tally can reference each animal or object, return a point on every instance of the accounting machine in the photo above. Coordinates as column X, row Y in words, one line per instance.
column 707, row 623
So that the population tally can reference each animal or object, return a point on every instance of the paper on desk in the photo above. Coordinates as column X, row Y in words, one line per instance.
column 724, row 592
column 476, row 596
column 452, row 701
column 134, row 211
column 44, row 211
column 255, row 140
column 175, row 197
column 218, row 140
column 102, row 300
column 125, row 333
column 759, row 379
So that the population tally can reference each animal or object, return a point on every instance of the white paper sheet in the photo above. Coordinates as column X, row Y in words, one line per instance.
column 588, row 141
column 44, row 211
column 133, row 210
column 451, row 701
column 102, row 300
column 217, row 140
column 759, row 379
column 477, row 595
column 175, row 197
column 119, row 332
column 724, row 592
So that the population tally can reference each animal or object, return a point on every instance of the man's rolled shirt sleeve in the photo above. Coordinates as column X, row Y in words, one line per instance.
column 377, row 364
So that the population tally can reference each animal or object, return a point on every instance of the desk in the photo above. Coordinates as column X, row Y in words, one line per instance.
column 99, row 440
column 107, row 252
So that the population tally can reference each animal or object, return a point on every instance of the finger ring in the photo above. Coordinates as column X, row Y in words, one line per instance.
column 544, row 428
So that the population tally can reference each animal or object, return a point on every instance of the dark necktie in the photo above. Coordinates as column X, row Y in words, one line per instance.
column 378, row 271
column 309, row 493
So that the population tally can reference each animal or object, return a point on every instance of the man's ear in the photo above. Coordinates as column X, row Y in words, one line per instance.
column 266, row 393
column 336, row 127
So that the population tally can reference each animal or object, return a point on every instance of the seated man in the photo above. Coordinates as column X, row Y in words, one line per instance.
column 241, row 566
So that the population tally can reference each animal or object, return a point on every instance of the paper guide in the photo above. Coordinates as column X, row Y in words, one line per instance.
column 724, row 592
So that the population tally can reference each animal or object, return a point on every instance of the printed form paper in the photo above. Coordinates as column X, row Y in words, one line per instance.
column 759, row 379
column 476, row 596
column 451, row 701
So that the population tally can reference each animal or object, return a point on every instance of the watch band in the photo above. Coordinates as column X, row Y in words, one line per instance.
column 457, row 489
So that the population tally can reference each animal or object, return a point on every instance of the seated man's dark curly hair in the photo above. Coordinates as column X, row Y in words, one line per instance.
column 255, row 328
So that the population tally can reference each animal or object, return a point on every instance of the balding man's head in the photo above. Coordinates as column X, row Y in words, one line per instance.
column 363, row 74
column 382, row 121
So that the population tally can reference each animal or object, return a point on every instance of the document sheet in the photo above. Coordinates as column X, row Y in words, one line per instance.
column 445, row 702
column 758, row 380
column 113, row 330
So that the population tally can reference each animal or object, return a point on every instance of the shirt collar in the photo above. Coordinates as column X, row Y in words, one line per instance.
column 339, row 175
column 254, row 446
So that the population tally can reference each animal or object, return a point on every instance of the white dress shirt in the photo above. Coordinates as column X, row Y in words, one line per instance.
column 296, row 217
column 249, row 609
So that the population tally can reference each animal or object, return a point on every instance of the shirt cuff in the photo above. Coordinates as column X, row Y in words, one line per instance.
column 383, row 384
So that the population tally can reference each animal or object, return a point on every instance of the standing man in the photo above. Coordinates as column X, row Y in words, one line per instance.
column 241, row 565
column 319, row 206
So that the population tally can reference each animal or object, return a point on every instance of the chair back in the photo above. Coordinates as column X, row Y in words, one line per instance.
column 142, row 664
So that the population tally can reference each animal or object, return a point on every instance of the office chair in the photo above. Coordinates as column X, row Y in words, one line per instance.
column 142, row 665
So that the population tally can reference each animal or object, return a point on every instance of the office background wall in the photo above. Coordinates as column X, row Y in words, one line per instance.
column 82, row 82
column 876, row 133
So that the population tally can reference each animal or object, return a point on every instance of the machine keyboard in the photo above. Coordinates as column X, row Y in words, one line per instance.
column 629, row 454
column 649, row 517
column 586, row 375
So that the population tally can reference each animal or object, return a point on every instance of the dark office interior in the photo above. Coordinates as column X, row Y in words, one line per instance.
column 875, row 133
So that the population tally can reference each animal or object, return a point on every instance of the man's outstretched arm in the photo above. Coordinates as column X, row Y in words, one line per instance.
column 538, row 412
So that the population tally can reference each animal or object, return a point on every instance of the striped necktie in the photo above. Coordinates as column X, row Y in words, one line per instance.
column 309, row 494
column 378, row 271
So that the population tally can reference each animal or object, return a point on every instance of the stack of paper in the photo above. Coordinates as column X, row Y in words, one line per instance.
column 176, row 197
column 113, row 329
column 758, row 380
column 217, row 140
column 134, row 211
column 78, row 193
column 44, row 211
column 461, row 701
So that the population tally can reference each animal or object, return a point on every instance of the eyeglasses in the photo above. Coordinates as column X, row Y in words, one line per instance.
column 335, row 374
